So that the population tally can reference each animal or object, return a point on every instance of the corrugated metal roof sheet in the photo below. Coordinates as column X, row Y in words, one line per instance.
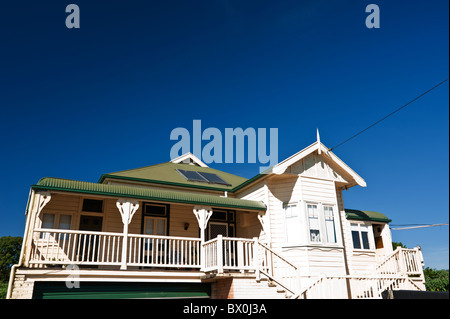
column 50, row 183
column 354, row 214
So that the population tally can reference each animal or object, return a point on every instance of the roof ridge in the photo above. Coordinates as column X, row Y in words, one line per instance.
column 138, row 168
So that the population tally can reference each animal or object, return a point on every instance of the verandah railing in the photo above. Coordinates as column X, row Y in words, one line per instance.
column 242, row 254
column 63, row 247
column 226, row 253
column 53, row 246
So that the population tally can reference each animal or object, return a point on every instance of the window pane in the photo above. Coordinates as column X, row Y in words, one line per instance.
column 48, row 221
column 365, row 239
column 155, row 210
column 313, row 220
column 161, row 227
column 92, row 205
column 329, row 224
column 219, row 215
column 64, row 221
column 290, row 211
column 292, row 223
column 356, row 241
column 148, row 226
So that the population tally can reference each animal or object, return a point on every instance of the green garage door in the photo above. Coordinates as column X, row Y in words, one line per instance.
column 110, row 290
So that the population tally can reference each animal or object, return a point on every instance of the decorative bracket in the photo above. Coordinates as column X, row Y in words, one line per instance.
column 127, row 209
column 203, row 214
column 43, row 199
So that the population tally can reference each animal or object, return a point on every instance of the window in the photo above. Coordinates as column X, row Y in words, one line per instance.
column 49, row 221
column 154, row 226
column 360, row 236
column 330, row 229
column 291, row 216
column 313, row 222
column 92, row 205
column 155, row 219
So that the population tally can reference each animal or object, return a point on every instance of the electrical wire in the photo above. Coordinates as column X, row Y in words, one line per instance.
column 392, row 113
column 423, row 226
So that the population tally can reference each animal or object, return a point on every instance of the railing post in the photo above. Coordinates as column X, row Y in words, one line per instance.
column 256, row 258
column 401, row 258
column 419, row 261
column 240, row 255
column 219, row 254
column 123, row 265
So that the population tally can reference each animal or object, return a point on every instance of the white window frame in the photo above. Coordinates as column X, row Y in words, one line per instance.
column 323, row 234
column 332, row 218
column 319, row 226
column 291, row 222
column 357, row 226
column 300, row 220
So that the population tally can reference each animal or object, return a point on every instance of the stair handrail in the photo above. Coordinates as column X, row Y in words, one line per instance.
column 402, row 261
column 289, row 277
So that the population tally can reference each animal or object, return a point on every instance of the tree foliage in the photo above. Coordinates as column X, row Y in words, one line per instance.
column 9, row 255
column 436, row 280
column 397, row 244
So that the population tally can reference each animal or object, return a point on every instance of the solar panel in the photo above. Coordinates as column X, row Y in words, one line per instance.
column 202, row 177
column 192, row 176
column 214, row 178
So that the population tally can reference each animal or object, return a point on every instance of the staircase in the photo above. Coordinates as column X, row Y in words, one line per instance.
column 401, row 270
column 279, row 271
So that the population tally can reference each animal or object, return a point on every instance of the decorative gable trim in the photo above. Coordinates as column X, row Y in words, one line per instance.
column 189, row 157
column 322, row 150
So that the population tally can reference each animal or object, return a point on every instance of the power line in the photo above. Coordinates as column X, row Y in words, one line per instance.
column 413, row 100
column 423, row 226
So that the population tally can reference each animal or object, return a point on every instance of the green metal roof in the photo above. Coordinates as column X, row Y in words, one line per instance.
column 50, row 183
column 166, row 173
column 354, row 214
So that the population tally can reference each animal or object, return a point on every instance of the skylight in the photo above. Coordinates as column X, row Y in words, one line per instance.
column 211, row 178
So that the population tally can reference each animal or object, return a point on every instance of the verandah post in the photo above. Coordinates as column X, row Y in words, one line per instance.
column 202, row 214
column 127, row 208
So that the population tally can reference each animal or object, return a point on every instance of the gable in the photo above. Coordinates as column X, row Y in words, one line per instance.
column 318, row 161
column 315, row 165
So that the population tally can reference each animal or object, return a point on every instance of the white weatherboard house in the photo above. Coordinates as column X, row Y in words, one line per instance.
column 183, row 230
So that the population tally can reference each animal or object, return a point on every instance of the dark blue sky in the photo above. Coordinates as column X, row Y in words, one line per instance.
column 76, row 103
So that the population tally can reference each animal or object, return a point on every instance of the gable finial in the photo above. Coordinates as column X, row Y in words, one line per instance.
column 318, row 142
